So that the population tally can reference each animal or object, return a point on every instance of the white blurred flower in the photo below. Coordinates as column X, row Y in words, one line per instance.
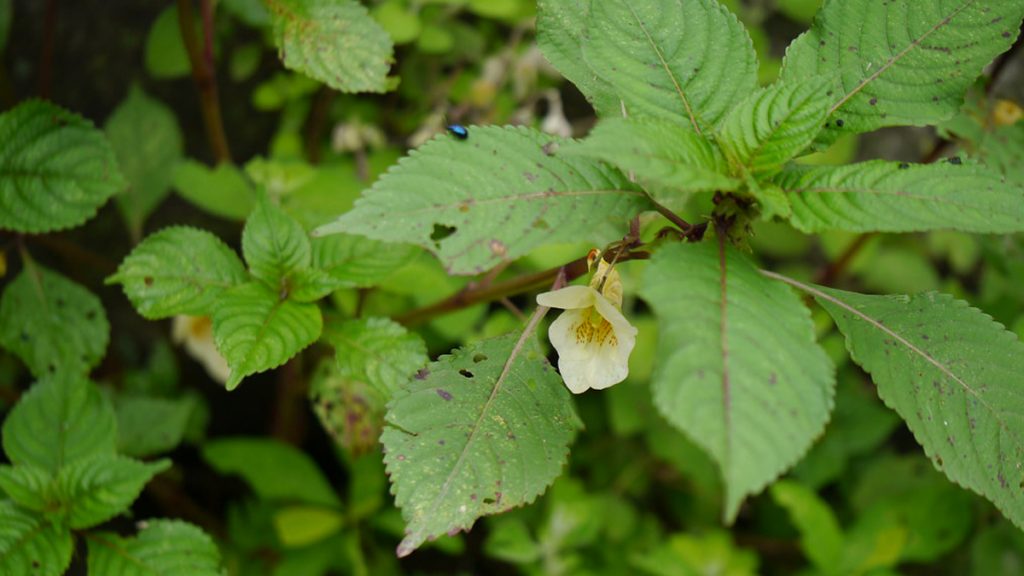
column 592, row 337
column 555, row 122
column 356, row 135
column 196, row 334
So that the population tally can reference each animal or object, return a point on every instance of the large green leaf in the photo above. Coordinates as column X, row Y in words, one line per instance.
column 899, row 197
column 672, row 157
column 31, row 545
column 57, row 422
column 51, row 323
column 148, row 143
column 276, row 471
column 333, row 41
column 96, row 489
column 739, row 370
column 56, row 169
column 485, row 430
column 255, row 330
column 491, row 198
column 900, row 62
column 774, row 124
column 273, row 243
column 178, row 270
column 953, row 374
column 378, row 352
column 689, row 61
column 164, row 547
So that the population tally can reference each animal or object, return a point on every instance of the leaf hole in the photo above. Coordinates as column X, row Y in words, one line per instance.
column 466, row 373
column 478, row 358
column 488, row 500
column 441, row 232
column 148, row 280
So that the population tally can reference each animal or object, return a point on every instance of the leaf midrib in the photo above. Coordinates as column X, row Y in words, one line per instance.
column 511, row 199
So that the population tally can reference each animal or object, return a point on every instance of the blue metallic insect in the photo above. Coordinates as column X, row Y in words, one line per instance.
column 459, row 131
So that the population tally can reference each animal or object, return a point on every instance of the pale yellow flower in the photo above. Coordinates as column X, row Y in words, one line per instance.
column 592, row 337
column 196, row 333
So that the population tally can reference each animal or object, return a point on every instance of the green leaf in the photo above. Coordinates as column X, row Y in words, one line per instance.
column 686, row 555
column 688, row 62
column 333, row 41
column 351, row 411
column 222, row 191
column 952, row 373
column 256, row 331
column 750, row 385
column 902, row 62
column 1003, row 151
column 148, row 144
column 273, row 243
column 178, row 270
column 310, row 285
column 509, row 540
column 667, row 155
column 821, row 538
column 358, row 262
column 96, row 489
column 774, row 124
column 899, row 197
column 31, row 545
column 165, row 55
column 486, row 430
column 492, row 198
column 276, row 471
column 252, row 12
column 561, row 29
column 29, row 486
column 298, row 526
column 57, row 422
column 377, row 351
column 148, row 425
column 56, row 169
column 51, row 323
column 164, row 547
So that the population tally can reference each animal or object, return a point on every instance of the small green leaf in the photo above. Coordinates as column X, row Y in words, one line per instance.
column 687, row 62
column 492, row 198
column 466, row 439
column 255, row 330
column 148, row 143
column 51, row 323
column 333, row 41
column 311, row 284
column 178, row 270
column 402, row 22
column 561, row 28
column 165, row 55
column 821, row 538
column 164, row 547
column 273, row 243
column 222, row 191
column 899, row 197
column 900, row 63
column 31, row 545
column 671, row 156
column 510, row 540
column 96, row 489
column 148, row 425
column 252, row 12
column 276, row 471
column 1003, row 151
column 709, row 553
column 299, row 526
column 357, row 261
column 56, row 169
column 377, row 351
column 774, row 124
column 30, row 486
column 69, row 404
column 750, row 385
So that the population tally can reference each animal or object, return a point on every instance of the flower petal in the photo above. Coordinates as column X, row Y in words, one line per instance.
column 612, row 314
column 591, row 356
column 568, row 298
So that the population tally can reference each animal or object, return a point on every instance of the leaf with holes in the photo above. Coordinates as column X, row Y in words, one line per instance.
column 56, row 169
column 178, row 270
column 377, row 351
column 685, row 61
column 165, row 547
column 255, row 330
column 899, row 197
column 31, row 545
column 96, row 489
column 487, row 429
column 740, row 372
column 561, row 28
column 273, row 243
column 333, row 41
column 492, row 198
column 51, row 323
column 901, row 62
column 672, row 157
column 953, row 374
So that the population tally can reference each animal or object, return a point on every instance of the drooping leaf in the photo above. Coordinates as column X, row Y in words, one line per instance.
column 273, row 243
column 148, row 425
column 94, row 490
column 487, row 429
column 774, row 124
column 52, row 323
column 276, row 471
column 672, row 156
column 56, row 169
column 59, row 421
column 148, row 144
column 165, row 547
column 377, row 351
column 31, row 545
column 739, row 372
column 359, row 262
column 222, row 191
column 178, row 270
column 491, row 198
column 255, row 330
column 333, row 41
column 899, row 197
column 685, row 61
column 821, row 537
column 902, row 62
